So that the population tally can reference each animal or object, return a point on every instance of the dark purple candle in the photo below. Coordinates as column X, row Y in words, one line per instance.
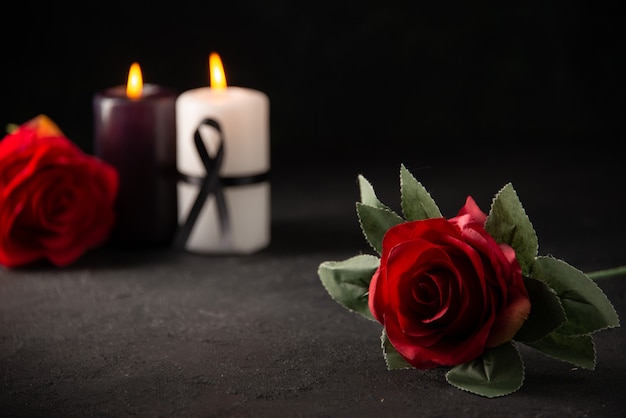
column 138, row 137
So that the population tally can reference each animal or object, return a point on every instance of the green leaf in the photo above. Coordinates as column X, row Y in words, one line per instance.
column 508, row 223
column 393, row 359
column 417, row 204
column 368, row 195
column 546, row 312
column 576, row 349
column 348, row 281
column 498, row 372
column 586, row 306
column 375, row 222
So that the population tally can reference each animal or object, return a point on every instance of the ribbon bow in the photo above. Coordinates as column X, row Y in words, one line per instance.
column 211, row 183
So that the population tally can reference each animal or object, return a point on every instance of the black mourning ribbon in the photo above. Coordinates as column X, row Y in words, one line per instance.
column 211, row 183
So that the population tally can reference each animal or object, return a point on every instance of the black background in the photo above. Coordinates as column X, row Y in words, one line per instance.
column 458, row 78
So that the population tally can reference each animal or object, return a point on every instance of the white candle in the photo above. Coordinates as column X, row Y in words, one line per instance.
column 242, row 114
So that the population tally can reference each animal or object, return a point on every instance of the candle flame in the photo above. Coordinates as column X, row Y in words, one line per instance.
column 134, row 88
column 216, row 72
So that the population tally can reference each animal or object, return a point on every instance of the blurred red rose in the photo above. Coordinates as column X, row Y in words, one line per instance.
column 445, row 289
column 56, row 202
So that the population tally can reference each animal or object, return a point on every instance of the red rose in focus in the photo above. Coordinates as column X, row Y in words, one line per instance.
column 56, row 202
column 445, row 289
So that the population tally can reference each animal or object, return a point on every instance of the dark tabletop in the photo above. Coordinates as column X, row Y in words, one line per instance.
column 153, row 332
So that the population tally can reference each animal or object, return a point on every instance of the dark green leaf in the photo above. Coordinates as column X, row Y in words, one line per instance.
column 508, row 223
column 393, row 359
column 375, row 222
column 546, row 312
column 576, row 349
column 348, row 281
column 587, row 308
column 498, row 372
column 417, row 204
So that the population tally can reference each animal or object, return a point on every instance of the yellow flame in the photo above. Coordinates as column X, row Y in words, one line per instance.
column 134, row 88
column 216, row 72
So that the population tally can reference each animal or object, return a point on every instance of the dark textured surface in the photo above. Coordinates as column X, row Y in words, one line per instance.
column 155, row 333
